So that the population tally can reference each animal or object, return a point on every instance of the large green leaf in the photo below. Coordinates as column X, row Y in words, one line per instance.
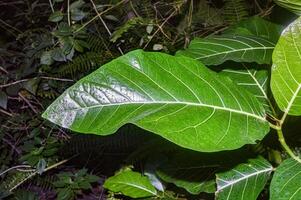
column 245, row 181
column 253, row 80
column 175, row 97
column 256, row 26
column 131, row 184
column 292, row 5
column 215, row 50
column 286, row 70
column 286, row 182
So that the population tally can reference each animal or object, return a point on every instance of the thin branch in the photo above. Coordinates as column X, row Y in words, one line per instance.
column 28, row 103
column 68, row 12
column 95, row 17
column 104, row 24
column 14, row 167
column 51, row 6
column 5, row 112
column 160, row 27
column 42, row 77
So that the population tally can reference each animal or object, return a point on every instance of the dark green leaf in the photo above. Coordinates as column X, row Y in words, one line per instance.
column 245, row 181
column 46, row 58
column 286, row 182
column 58, row 54
column 161, row 93
column 215, row 50
column 258, row 27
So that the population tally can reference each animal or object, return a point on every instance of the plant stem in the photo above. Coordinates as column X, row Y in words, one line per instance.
column 286, row 147
column 68, row 12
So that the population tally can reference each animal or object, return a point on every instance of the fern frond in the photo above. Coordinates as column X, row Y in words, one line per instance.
column 83, row 62
column 235, row 11
column 97, row 44
column 12, row 181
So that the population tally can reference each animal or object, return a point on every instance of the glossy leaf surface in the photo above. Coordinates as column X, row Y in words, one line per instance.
column 245, row 181
column 253, row 80
column 286, row 182
column 215, row 50
column 175, row 97
column 286, row 70
column 131, row 184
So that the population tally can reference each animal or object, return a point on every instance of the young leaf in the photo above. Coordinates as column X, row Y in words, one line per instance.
column 286, row 181
column 131, row 184
column 245, row 181
column 215, row 50
column 175, row 97
column 286, row 70
column 258, row 27
column 292, row 5
column 56, row 16
column 254, row 81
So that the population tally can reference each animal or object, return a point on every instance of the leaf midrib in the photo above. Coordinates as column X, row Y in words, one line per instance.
column 180, row 103
column 232, row 51
column 243, row 178
column 136, row 186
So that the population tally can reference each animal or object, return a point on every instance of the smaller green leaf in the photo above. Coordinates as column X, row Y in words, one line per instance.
column 56, row 16
column 76, row 4
column 286, row 182
column 77, row 15
column 58, row 55
column 245, row 181
column 46, row 58
column 131, row 184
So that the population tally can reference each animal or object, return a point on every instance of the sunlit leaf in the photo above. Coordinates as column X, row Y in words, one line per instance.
column 286, row 70
column 175, row 97
column 131, row 184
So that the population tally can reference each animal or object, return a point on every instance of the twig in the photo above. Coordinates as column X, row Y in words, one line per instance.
column 104, row 24
column 160, row 27
column 5, row 112
column 14, row 167
column 56, row 79
column 36, row 172
column 95, row 17
column 68, row 12
column 51, row 6
column 28, row 103
column 13, row 83
column 42, row 77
